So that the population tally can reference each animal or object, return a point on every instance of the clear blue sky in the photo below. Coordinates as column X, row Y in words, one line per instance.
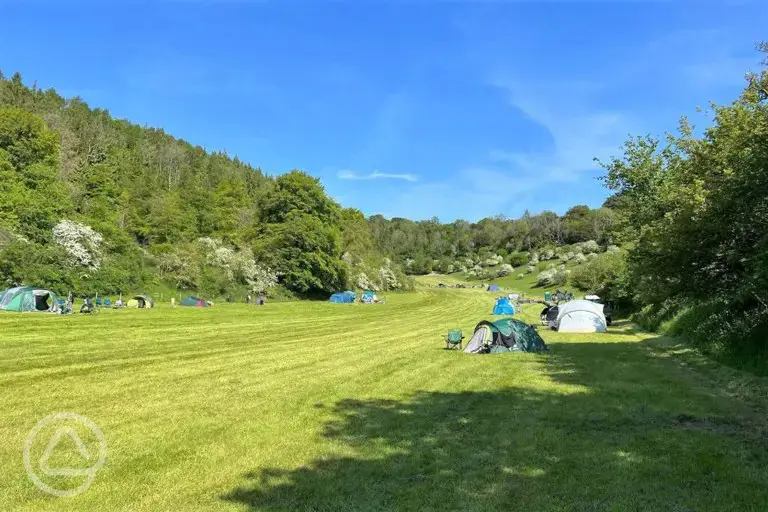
column 412, row 109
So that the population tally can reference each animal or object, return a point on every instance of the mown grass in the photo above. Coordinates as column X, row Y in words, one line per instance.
column 316, row 406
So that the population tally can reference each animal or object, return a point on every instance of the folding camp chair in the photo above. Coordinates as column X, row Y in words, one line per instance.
column 453, row 339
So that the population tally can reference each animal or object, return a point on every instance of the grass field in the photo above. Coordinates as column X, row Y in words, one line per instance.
column 316, row 406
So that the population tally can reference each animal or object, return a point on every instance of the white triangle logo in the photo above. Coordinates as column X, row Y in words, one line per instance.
column 61, row 432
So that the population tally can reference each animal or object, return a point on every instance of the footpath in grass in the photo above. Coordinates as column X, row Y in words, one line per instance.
column 317, row 406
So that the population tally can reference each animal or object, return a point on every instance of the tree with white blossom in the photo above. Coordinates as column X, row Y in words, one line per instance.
column 82, row 243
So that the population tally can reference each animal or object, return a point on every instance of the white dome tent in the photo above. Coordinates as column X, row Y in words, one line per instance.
column 581, row 316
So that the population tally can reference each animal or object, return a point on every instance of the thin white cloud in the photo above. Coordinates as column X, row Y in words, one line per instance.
column 375, row 175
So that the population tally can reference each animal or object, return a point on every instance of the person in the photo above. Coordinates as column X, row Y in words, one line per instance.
column 173, row 302
column 248, row 299
column 119, row 303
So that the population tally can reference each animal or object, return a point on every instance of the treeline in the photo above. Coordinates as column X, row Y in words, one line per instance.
column 94, row 204
column 694, row 212
column 429, row 245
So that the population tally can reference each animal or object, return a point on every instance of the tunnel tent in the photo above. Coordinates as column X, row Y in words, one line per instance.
column 504, row 335
column 30, row 299
column 581, row 316
column 141, row 301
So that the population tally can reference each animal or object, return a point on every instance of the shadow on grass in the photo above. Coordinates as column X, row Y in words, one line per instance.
column 622, row 432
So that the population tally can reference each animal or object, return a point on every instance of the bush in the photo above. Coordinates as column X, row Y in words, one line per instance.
column 531, row 269
column 505, row 270
column 517, row 259
column 590, row 247
column 547, row 255
column 520, row 276
column 560, row 277
column 613, row 248
column 605, row 275
column 579, row 259
column 493, row 260
column 545, row 278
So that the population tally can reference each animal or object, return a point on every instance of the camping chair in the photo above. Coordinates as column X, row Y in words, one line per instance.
column 454, row 339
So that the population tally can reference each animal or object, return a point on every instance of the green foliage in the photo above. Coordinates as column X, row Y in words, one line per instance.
column 695, row 212
column 604, row 275
column 517, row 259
column 151, row 197
column 307, row 253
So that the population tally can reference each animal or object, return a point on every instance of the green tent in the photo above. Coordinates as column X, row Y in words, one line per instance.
column 141, row 301
column 504, row 335
column 29, row 298
column 193, row 301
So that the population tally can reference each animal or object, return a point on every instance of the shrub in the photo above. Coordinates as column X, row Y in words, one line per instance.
column 579, row 259
column 518, row 259
column 613, row 248
column 560, row 277
column 605, row 275
column 545, row 278
column 590, row 247
column 520, row 276
column 492, row 260
column 547, row 255
column 505, row 270
column 531, row 269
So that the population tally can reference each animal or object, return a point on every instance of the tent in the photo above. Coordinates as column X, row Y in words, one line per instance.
column 581, row 316
column 493, row 288
column 141, row 301
column 29, row 298
column 505, row 335
column 193, row 301
column 368, row 297
column 343, row 297
column 503, row 307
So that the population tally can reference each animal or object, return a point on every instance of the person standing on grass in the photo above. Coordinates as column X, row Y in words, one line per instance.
column 173, row 302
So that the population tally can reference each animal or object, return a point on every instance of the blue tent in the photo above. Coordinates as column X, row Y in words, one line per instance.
column 494, row 288
column 503, row 307
column 343, row 297
column 368, row 297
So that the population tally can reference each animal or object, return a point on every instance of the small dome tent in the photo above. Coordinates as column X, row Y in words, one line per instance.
column 503, row 307
column 493, row 288
column 141, row 301
column 195, row 302
column 343, row 297
column 505, row 335
column 581, row 316
column 29, row 298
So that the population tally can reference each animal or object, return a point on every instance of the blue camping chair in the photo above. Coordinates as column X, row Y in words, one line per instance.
column 107, row 302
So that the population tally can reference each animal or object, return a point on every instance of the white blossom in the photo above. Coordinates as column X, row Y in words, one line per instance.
column 82, row 243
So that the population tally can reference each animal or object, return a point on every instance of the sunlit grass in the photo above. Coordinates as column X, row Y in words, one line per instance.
column 317, row 406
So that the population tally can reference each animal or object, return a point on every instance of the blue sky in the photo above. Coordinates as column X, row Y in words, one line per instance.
column 411, row 109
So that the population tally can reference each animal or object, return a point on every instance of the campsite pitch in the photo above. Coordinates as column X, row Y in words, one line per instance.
column 347, row 407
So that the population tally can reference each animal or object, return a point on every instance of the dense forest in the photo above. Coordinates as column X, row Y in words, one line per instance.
column 94, row 204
